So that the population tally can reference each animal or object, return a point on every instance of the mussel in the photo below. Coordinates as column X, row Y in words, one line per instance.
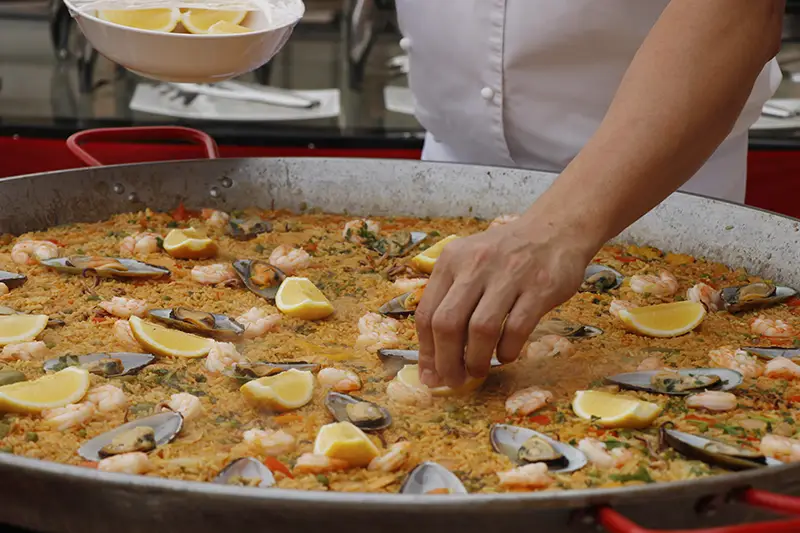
column 432, row 478
column 403, row 305
column 219, row 327
column 110, row 364
column 679, row 382
column 600, row 278
column 105, row 267
column 524, row 446
column 403, row 357
column 12, row 280
column 246, row 472
column 259, row 369
column 164, row 426
column 396, row 245
column 754, row 296
column 772, row 352
column 564, row 328
column 366, row 415
column 260, row 277
column 715, row 452
column 9, row 376
column 244, row 229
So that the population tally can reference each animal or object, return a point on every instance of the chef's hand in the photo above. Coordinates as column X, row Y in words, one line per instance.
column 514, row 273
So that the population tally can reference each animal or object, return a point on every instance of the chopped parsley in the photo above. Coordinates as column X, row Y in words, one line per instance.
column 642, row 474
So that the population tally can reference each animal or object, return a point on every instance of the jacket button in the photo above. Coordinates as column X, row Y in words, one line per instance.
column 405, row 44
column 487, row 93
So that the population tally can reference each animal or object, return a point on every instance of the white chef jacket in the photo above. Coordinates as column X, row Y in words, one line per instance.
column 525, row 83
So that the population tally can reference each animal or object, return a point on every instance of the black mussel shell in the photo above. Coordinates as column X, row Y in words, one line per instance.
column 260, row 277
column 600, row 278
column 101, row 362
column 772, row 352
column 12, row 280
column 106, row 267
column 165, row 426
column 248, row 472
column 138, row 439
column 9, row 376
column 244, row 229
column 401, row 306
column 692, row 380
column 366, row 415
column 432, row 478
column 754, row 296
column 564, row 328
column 213, row 325
column 398, row 244
column 714, row 452
column 523, row 445
column 259, row 369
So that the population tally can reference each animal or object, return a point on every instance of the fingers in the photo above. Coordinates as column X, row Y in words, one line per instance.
column 435, row 292
column 450, row 323
column 520, row 323
column 485, row 328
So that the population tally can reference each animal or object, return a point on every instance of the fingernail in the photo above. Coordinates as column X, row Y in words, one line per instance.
column 428, row 378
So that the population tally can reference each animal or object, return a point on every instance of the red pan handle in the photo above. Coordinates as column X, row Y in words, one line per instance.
column 141, row 133
column 614, row 522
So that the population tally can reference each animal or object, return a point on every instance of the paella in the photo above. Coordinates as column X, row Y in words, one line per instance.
column 271, row 349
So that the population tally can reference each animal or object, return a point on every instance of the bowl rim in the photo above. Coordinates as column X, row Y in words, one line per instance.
column 75, row 13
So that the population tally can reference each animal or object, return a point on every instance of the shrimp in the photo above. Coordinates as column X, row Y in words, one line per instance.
column 550, row 346
column 356, row 231
column 525, row 401
column 214, row 274
column 24, row 351
column 532, row 476
column 409, row 284
column 780, row 448
column 270, row 441
column 339, row 380
column 392, row 460
column 258, row 322
column 222, row 356
column 782, row 368
column 134, row 463
column 738, row 360
column 311, row 463
column 766, row 327
column 706, row 295
column 651, row 363
column 599, row 455
column 618, row 305
column 28, row 252
column 712, row 401
column 107, row 398
column 663, row 286
column 125, row 307
column 403, row 394
column 188, row 405
column 377, row 332
column 122, row 331
column 215, row 218
column 502, row 220
column 289, row 259
column 72, row 415
column 141, row 244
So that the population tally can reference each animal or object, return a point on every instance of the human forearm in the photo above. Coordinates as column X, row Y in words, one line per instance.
column 677, row 102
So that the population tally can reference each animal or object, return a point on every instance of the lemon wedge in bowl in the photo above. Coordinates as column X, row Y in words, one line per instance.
column 614, row 410
column 48, row 392
column 409, row 375
column 200, row 21
column 223, row 27
column 299, row 298
column 424, row 261
column 162, row 19
column 664, row 320
column 282, row 392
column 343, row 440
column 161, row 340
column 21, row 328
column 189, row 244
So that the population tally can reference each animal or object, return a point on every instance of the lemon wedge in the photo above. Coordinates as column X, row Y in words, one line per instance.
column 189, row 244
column 162, row 19
column 225, row 27
column 664, row 320
column 21, row 328
column 282, row 392
column 299, row 298
column 169, row 342
column 200, row 21
column 424, row 261
column 409, row 375
column 614, row 410
column 343, row 440
column 48, row 392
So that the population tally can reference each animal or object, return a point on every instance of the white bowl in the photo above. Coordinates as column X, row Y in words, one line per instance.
column 184, row 57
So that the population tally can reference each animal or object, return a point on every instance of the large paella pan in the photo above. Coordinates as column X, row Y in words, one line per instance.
column 114, row 274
